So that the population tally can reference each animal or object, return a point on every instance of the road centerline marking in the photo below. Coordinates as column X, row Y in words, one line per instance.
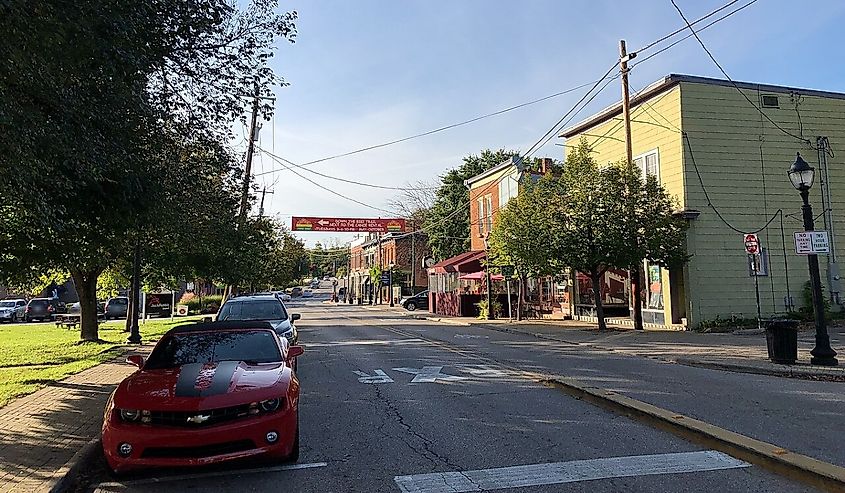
column 567, row 472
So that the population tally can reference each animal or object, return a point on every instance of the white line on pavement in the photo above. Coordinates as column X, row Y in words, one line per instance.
column 379, row 377
column 429, row 374
column 567, row 472
column 232, row 472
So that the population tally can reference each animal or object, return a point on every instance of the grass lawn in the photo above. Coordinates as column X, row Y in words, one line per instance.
column 34, row 355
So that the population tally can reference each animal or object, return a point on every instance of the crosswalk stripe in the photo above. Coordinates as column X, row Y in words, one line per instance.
column 567, row 472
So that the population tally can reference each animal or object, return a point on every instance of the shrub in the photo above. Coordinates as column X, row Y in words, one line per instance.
column 210, row 303
column 482, row 309
column 806, row 310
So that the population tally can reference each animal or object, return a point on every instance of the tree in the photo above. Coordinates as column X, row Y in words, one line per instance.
column 523, row 232
column 99, row 97
column 447, row 223
column 583, row 220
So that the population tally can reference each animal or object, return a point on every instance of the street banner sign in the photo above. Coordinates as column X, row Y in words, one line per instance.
column 348, row 225
column 752, row 244
column 811, row 242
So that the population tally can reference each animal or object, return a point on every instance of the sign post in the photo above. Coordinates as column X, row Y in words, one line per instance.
column 752, row 248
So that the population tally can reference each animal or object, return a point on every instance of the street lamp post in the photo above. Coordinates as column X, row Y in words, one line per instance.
column 487, row 275
column 801, row 175
column 390, row 283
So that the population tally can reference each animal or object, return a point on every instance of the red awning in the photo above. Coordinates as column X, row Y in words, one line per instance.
column 464, row 262
column 477, row 276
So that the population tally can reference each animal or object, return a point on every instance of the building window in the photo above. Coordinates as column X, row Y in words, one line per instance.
column 480, row 217
column 769, row 101
column 488, row 201
column 649, row 164
column 508, row 189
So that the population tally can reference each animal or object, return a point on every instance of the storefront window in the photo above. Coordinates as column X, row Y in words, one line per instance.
column 654, row 287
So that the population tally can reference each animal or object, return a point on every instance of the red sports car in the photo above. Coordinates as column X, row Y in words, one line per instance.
column 208, row 393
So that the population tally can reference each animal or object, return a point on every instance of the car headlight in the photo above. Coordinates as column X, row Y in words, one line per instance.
column 130, row 415
column 270, row 405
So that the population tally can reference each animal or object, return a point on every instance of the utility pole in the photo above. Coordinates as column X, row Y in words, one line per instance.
column 261, row 207
column 250, row 150
column 626, row 116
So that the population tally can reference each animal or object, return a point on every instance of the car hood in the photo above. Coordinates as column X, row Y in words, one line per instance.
column 202, row 386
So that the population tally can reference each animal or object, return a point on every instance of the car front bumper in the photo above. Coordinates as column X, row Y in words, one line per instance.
column 176, row 446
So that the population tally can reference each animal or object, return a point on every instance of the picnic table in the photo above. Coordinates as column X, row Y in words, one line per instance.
column 68, row 320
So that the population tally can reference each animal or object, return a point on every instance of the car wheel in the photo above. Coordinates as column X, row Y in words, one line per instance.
column 294, row 454
column 411, row 306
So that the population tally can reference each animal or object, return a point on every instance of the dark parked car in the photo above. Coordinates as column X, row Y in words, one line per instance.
column 116, row 307
column 295, row 292
column 43, row 309
column 266, row 308
column 419, row 300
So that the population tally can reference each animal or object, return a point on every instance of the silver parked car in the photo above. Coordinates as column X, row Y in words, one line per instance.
column 12, row 310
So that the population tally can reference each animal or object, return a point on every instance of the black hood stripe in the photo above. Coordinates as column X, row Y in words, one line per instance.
column 222, row 378
column 186, row 384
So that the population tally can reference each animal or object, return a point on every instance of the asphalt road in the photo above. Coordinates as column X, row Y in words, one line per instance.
column 385, row 407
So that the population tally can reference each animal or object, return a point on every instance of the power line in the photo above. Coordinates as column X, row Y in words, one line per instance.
column 345, row 180
column 673, row 33
column 690, row 35
column 716, row 62
column 318, row 185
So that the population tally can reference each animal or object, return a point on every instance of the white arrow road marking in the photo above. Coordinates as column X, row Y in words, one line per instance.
column 429, row 374
column 379, row 377
column 567, row 472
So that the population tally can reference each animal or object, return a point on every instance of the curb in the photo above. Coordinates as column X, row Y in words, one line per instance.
column 788, row 372
column 823, row 475
column 68, row 473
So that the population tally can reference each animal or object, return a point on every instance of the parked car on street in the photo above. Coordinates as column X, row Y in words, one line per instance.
column 419, row 300
column 296, row 292
column 43, row 309
column 116, row 307
column 209, row 393
column 307, row 293
column 265, row 308
column 283, row 296
column 12, row 310
column 76, row 309
column 315, row 284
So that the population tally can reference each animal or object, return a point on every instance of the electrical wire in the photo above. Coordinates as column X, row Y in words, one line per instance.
column 450, row 126
column 673, row 33
column 721, row 69
column 710, row 202
column 345, row 180
column 318, row 185
column 671, row 45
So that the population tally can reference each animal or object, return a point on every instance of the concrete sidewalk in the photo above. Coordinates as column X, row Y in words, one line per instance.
column 741, row 351
column 42, row 431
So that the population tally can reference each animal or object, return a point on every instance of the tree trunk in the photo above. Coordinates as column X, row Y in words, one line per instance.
column 135, row 294
column 636, row 291
column 86, row 288
column 519, row 299
column 595, row 277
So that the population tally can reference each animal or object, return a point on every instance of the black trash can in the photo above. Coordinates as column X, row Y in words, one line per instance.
column 782, row 341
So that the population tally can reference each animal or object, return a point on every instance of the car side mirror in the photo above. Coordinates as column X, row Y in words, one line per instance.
column 294, row 317
column 295, row 351
column 135, row 359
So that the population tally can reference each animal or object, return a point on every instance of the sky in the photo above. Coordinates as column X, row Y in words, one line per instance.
column 371, row 71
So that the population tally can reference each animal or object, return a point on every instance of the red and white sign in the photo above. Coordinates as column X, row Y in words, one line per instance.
column 347, row 225
column 752, row 244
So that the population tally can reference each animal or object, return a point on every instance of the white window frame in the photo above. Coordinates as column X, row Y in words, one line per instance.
column 488, row 206
column 480, row 201
column 642, row 166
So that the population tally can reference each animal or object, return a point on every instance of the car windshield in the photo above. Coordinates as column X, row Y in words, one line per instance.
column 253, row 347
column 253, row 310
column 38, row 303
column 7, row 304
